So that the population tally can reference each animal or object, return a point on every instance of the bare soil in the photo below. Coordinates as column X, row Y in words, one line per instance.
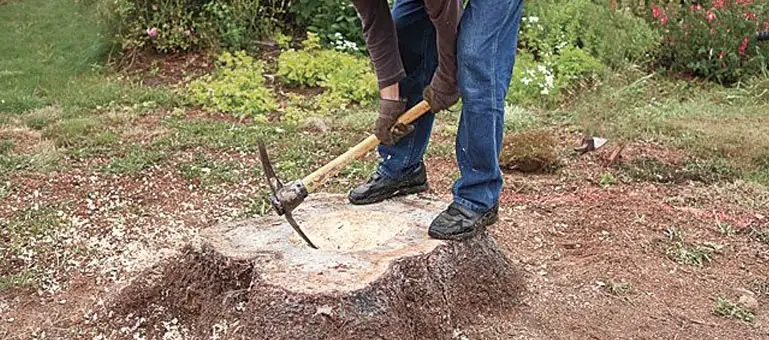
column 593, row 253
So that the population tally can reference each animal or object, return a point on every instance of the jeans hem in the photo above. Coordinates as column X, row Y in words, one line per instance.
column 469, row 205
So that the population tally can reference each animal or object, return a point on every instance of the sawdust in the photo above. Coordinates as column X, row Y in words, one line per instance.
column 357, row 244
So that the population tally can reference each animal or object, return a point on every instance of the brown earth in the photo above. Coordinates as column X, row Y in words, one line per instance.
column 577, row 241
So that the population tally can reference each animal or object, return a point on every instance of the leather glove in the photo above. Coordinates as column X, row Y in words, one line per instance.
column 389, row 111
column 439, row 100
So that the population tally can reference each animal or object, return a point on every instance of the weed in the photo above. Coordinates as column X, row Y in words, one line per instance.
column 654, row 170
column 24, row 279
column 728, row 309
column 30, row 243
column 39, row 119
column 6, row 146
column 210, row 172
column 682, row 252
column 760, row 234
column 618, row 288
column 134, row 161
column 725, row 229
column 607, row 179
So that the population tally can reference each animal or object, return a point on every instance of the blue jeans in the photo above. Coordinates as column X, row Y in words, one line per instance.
column 486, row 49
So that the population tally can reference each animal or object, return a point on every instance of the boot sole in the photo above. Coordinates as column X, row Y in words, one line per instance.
column 399, row 192
column 481, row 227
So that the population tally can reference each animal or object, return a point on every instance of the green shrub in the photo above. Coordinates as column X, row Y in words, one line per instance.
column 546, row 82
column 346, row 78
column 336, row 22
column 182, row 25
column 237, row 87
column 716, row 40
column 612, row 37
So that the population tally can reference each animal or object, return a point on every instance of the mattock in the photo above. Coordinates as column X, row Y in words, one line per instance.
column 285, row 198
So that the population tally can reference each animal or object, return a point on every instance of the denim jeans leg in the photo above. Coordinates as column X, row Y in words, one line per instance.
column 486, row 47
column 416, row 42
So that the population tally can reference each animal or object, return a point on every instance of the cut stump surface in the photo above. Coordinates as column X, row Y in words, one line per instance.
column 376, row 275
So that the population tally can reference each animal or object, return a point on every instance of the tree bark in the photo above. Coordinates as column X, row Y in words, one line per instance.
column 251, row 280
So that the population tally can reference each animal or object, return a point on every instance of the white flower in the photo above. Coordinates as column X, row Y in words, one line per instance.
column 534, row 19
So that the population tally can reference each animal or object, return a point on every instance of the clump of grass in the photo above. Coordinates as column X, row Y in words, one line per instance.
column 679, row 250
column 654, row 170
column 607, row 179
column 134, row 161
column 6, row 146
column 529, row 151
column 79, row 132
column 210, row 172
column 728, row 309
column 40, row 118
column 618, row 288
column 725, row 229
column 760, row 234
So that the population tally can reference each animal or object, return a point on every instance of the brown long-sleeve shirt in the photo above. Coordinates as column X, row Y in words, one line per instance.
column 382, row 41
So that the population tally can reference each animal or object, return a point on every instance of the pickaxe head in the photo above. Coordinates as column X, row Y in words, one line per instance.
column 286, row 198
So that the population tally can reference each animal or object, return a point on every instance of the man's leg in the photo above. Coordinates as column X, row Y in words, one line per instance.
column 401, row 170
column 486, row 47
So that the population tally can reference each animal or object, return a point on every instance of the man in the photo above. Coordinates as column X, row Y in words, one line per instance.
column 431, row 49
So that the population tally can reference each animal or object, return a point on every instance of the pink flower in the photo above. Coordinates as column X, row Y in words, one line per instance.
column 664, row 19
column 718, row 4
column 721, row 55
column 710, row 16
column 152, row 32
column 750, row 16
column 744, row 45
column 695, row 7
column 656, row 12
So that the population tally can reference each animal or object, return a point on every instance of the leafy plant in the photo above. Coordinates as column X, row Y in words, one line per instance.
column 682, row 252
column 715, row 40
column 612, row 37
column 335, row 22
column 346, row 78
column 182, row 25
column 545, row 83
column 731, row 310
column 237, row 87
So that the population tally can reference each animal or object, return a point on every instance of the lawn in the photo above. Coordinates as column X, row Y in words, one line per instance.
column 105, row 173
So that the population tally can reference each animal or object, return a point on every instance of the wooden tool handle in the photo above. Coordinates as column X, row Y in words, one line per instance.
column 317, row 178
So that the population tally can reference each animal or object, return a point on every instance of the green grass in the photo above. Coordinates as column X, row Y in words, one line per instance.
column 28, row 234
column 726, row 130
column 728, row 309
column 210, row 172
column 52, row 54
column 679, row 250
column 133, row 161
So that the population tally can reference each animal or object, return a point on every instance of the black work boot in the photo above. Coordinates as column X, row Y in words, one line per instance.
column 379, row 188
column 457, row 223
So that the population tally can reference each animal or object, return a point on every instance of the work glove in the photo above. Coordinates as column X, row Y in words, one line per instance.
column 389, row 111
column 439, row 100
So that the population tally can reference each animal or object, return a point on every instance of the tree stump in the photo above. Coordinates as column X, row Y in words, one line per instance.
column 376, row 275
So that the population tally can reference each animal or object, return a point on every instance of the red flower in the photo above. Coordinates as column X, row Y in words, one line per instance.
column 744, row 2
column 695, row 7
column 744, row 45
column 664, row 19
column 710, row 16
column 721, row 55
column 656, row 12
column 750, row 16
column 718, row 4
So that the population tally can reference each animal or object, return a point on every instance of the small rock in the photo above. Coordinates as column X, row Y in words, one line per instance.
column 748, row 302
